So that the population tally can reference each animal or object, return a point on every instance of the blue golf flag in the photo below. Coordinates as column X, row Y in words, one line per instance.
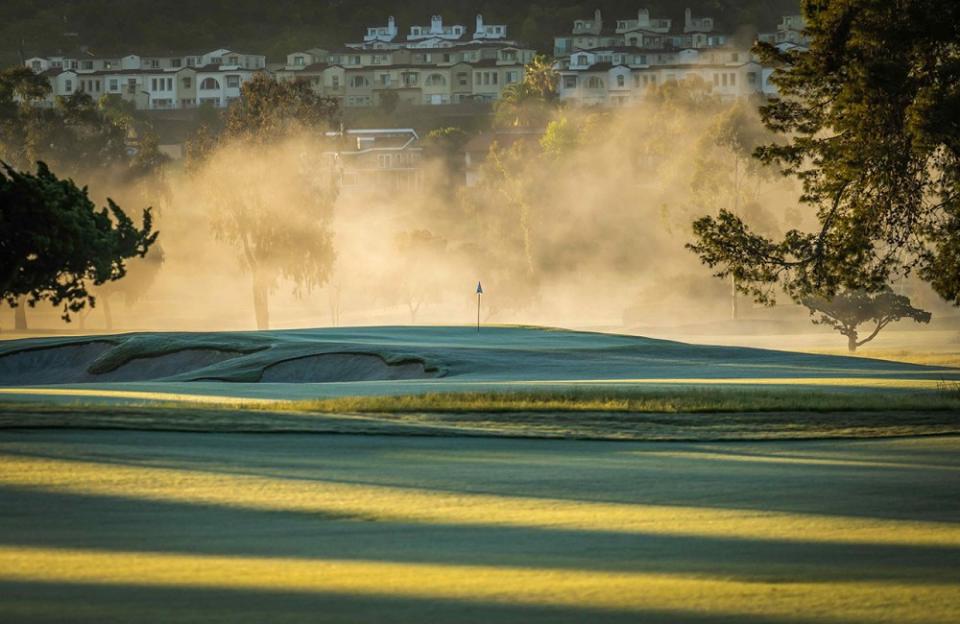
column 479, row 289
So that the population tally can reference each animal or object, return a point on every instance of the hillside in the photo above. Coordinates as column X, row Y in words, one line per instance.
column 278, row 27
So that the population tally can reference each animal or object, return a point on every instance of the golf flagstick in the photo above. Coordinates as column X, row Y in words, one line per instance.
column 479, row 294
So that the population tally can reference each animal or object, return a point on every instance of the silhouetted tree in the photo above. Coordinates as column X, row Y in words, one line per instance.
column 54, row 243
column 847, row 311
column 870, row 115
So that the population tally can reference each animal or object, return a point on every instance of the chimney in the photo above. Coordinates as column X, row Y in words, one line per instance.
column 392, row 25
column 436, row 25
column 688, row 18
column 479, row 25
column 597, row 22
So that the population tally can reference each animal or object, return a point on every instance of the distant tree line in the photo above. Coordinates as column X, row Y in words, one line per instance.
column 278, row 27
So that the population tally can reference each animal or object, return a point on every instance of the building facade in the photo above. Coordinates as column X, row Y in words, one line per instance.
column 151, row 82
column 432, row 64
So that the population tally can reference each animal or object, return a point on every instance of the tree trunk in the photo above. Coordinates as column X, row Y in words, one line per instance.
column 734, row 303
column 852, row 343
column 20, row 315
column 107, row 314
column 260, row 300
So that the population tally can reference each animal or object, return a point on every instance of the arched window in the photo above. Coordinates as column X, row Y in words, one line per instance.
column 620, row 80
column 209, row 84
column 358, row 81
column 436, row 80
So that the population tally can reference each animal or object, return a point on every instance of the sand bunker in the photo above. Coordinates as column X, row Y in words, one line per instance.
column 166, row 365
column 333, row 367
column 60, row 364
column 71, row 364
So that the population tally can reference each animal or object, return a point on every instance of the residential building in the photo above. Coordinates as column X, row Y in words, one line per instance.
column 367, row 160
column 643, row 32
column 433, row 65
column 174, row 81
column 790, row 30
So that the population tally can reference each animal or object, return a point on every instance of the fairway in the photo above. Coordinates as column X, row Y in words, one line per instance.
column 166, row 527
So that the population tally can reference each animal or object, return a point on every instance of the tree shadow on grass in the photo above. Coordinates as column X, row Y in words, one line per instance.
column 836, row 479
column 40, row 519
column 36, row 602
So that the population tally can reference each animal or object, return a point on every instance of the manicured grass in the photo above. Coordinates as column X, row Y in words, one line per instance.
column 687, row 400
column 584, row 413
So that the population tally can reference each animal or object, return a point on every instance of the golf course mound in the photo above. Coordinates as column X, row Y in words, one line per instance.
column 455, row 359
column 500, row 381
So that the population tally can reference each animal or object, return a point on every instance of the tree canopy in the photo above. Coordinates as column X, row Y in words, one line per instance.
column 269, row 190
column 870, row 119
column 55, row 244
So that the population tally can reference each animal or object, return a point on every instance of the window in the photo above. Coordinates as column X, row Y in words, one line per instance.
column 154, row 63
column 752, row 78
column 175, row 63
column 190, row 61
column 384, row 161
column 68, row 86
column 358, row 82
column 87, row 64
column 511, row 77
column 594, row 83
column 494, row 76
column 462, row 79
column 298, row 60
column 735, row 57
column 187, row 82
column 153, row 84
column 233, row 81
column 582, row 60
column 436, row 80
column 209, row 84
column 733, row 80
column 335, row 82
column 216, row 60
column 621, row 81
column 114, row 84
column 234, row 60
column 355, row 60
column 446, row 58
column 37, row 66
column 131, row 85
column 569, row 82
column 169, row 84
column 385, row 80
